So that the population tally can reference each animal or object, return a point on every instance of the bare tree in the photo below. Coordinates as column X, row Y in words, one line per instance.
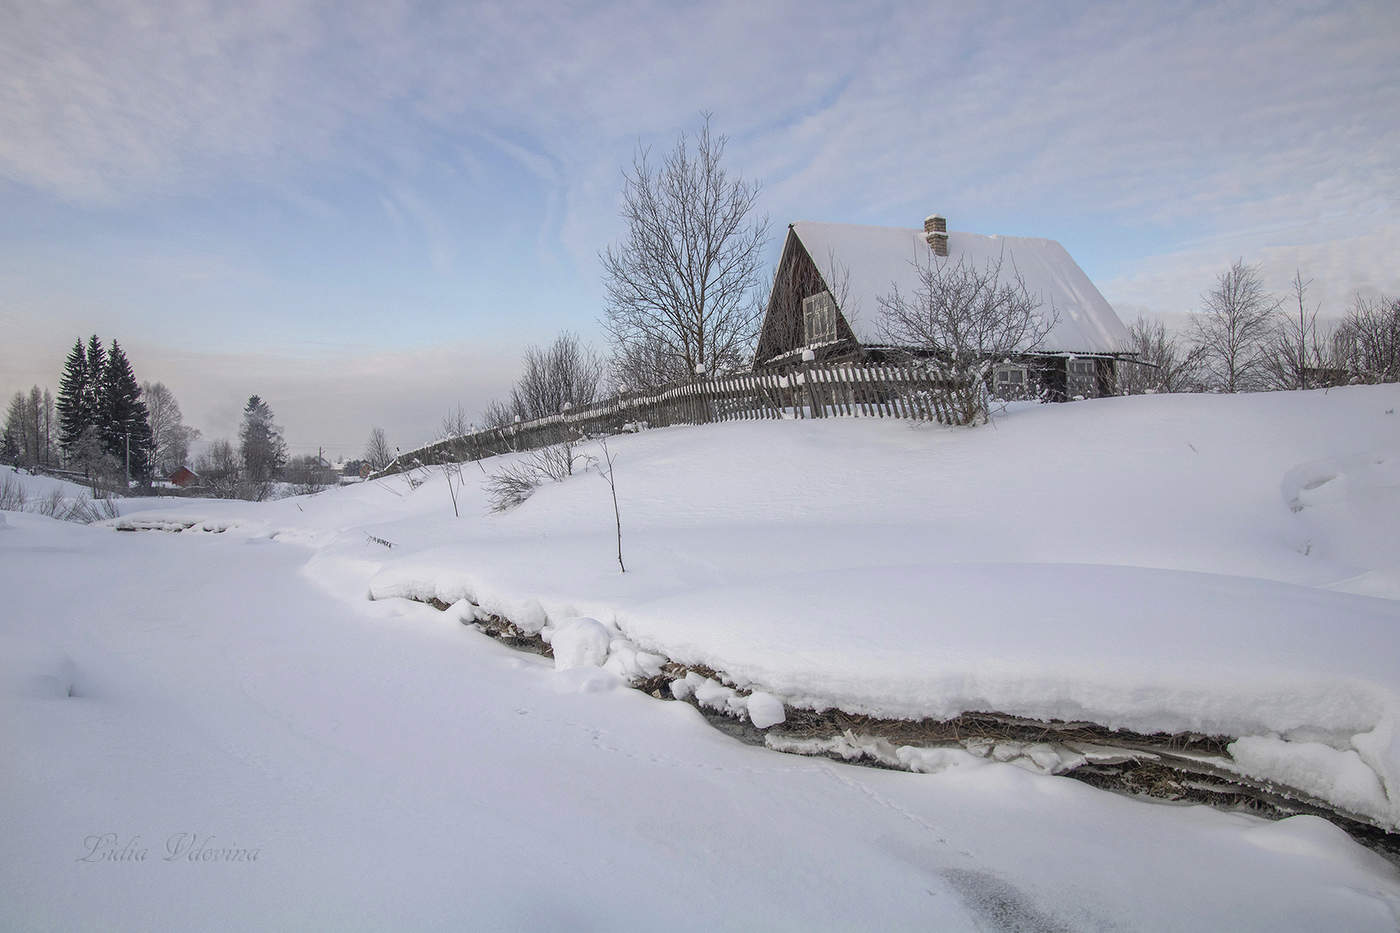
column 29, row 429
column 1233, row 329
column 455, row 422
column 49, row 428
column 497, row 414
column 34, row 427
column 220, row 467
column 170, row 436
column 1367, row 343
column 968, row 317
column 681, row 282
column 1295, row 354
column 565, row 373
column 378, row 453
column 1162, row 364
column 645, row 365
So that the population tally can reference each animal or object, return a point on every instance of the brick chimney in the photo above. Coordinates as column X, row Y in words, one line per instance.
column 936, row 232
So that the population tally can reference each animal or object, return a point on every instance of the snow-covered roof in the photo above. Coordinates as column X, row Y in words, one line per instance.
column 879, row 259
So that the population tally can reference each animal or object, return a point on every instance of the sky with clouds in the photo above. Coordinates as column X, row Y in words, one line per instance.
column 364, row 211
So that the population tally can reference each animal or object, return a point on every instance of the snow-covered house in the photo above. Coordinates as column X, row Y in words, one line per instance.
column 831, row 278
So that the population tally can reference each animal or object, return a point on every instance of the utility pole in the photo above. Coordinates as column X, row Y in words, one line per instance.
column 128, row 462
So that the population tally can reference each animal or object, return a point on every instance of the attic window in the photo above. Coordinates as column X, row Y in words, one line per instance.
column 818, row 318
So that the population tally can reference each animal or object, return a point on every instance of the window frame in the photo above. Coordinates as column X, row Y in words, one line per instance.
column 1081, row 377
column 1001, row 381
column 821, row 308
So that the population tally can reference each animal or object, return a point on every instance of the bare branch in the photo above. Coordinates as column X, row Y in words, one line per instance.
column 968, row 317
column 1233, row 330
column 1367, row 344
column 680, row 285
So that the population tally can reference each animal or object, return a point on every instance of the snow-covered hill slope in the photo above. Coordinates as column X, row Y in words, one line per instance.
column 1215, row 564
column 1223, row 565
column 35, row 487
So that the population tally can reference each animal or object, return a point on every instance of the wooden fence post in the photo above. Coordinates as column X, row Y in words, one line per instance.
column 814, row 405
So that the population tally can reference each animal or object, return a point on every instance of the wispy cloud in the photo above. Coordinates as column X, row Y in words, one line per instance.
column 485, row 140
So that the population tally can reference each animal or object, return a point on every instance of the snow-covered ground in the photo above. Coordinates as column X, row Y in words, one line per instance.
column 37, row 487
column 1217, row 564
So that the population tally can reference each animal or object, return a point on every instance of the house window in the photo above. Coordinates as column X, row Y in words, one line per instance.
column 818, row 318
column 1082, row 378
column 1010, row 380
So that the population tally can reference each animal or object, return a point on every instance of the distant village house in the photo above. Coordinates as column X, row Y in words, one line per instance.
column 184, row 477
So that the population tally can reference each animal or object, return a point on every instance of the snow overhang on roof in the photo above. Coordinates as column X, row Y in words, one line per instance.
column 876, row 260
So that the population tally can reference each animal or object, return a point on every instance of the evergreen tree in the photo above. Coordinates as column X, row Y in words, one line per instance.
column 71, row 392
column 125, row 425
column 94, row 389
column 13, row 438
column 260, row 442
column 9, row 445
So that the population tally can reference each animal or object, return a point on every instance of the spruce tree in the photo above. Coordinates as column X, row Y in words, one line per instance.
column 125, row 424
column 94, row 394
column 9, row 445
column 261, row 442
column 13, row 438
column 71, row 390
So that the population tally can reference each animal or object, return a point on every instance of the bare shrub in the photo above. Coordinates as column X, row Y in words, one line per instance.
column 52, row 505
column 517, row 482
column 512, row 485
column 106, row 507
column 555, row 462
column 12, row 494
column 966, row 317
column 85, row 511
column 81, row 509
